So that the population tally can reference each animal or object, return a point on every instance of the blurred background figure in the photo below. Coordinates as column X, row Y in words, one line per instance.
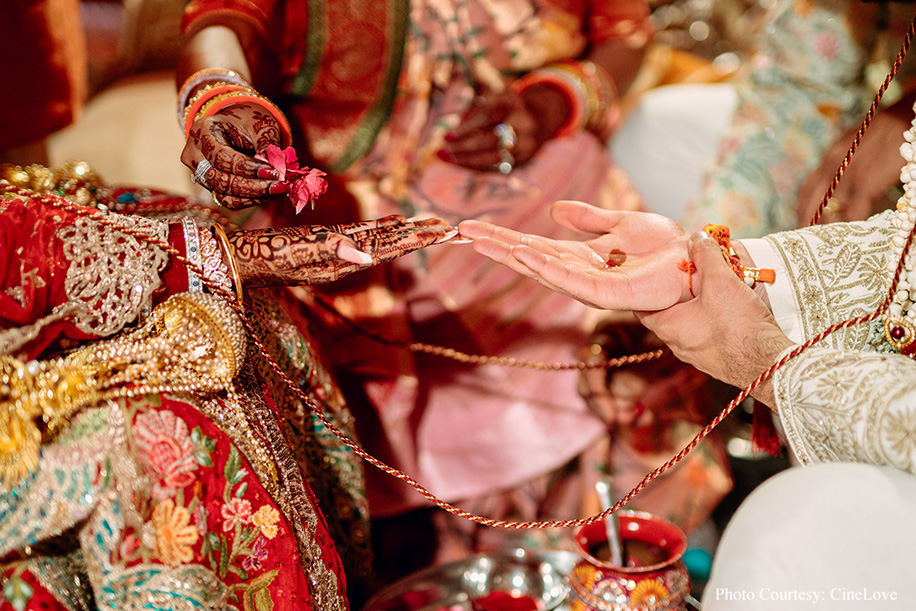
column 45, row 70
column 758, row 151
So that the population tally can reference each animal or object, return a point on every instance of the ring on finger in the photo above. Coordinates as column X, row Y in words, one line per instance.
column 506, row 139
column 200, row 173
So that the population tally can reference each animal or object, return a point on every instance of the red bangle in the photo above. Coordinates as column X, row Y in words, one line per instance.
column 202, row 77
column 567, row 86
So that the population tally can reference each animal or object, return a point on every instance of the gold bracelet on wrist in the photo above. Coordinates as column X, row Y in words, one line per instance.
column 220, row 234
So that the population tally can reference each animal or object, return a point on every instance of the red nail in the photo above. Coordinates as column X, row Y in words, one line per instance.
column 451, row 137
column 268, row 173
column 445, row 155
column 278, row 187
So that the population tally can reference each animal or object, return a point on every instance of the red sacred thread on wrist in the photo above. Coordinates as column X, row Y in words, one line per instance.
column 687, row 266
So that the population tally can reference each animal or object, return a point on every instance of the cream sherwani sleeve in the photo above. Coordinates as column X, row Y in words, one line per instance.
column 848, row 398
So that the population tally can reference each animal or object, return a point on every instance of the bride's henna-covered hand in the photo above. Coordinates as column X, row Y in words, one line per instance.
column 229, row 141
column 633, row 264
column 317, row 254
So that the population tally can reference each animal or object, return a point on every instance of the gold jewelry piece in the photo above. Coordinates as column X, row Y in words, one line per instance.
column 215, row 269
column 220, row 234
column 74, row 180
column 899, row 331
column 193, row 342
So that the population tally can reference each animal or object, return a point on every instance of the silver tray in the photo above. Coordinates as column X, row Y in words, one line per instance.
column 454, row 586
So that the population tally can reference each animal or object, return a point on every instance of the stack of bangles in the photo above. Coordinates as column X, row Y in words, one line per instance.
column 208, row 91
column 588, row 89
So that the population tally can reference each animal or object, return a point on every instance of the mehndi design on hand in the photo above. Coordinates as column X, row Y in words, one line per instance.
column 316, row 254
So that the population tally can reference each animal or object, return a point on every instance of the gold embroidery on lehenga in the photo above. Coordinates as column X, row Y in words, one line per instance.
column 112, row 287
column 61, row 575
column 191, row 342
column 104, row 293
column 279, row 473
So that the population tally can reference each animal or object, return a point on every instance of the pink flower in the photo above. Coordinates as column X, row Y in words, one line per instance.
column 238, row 510
column 306, row 184
column 282, row 160
column 165, row 450
column 200, row 516
column 306, row 189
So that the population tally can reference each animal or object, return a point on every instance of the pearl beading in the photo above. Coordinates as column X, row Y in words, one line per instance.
column 900, row 321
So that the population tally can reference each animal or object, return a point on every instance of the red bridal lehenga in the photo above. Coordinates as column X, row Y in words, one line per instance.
column 137, row 470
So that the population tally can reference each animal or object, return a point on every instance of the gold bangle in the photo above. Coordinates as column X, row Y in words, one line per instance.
column 220, row 234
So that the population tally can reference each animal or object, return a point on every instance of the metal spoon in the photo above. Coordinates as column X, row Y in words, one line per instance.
column 610, row 523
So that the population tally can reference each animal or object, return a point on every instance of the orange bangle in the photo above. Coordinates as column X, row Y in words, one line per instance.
column 202, row 97
column 214, row 106
column 204, row 77
column 571, row 89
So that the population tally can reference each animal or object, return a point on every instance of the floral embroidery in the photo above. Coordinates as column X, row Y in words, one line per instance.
column 266, row 518
column 166, row 451
column 236, row 511
column 201, row 514
column 245, row 549
column 17, row 592
column 203, row 446
column 129, row 546
column 174, row 533
column 901, row 433
column 258, row 554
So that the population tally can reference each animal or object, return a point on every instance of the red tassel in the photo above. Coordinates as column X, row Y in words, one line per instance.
column 763, row 431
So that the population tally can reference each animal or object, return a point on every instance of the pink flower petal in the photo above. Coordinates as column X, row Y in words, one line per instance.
column 282, row 160
column 307, row 188
column 292, row 160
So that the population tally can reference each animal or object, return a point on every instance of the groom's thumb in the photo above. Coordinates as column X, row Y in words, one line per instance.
column 705, row 251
